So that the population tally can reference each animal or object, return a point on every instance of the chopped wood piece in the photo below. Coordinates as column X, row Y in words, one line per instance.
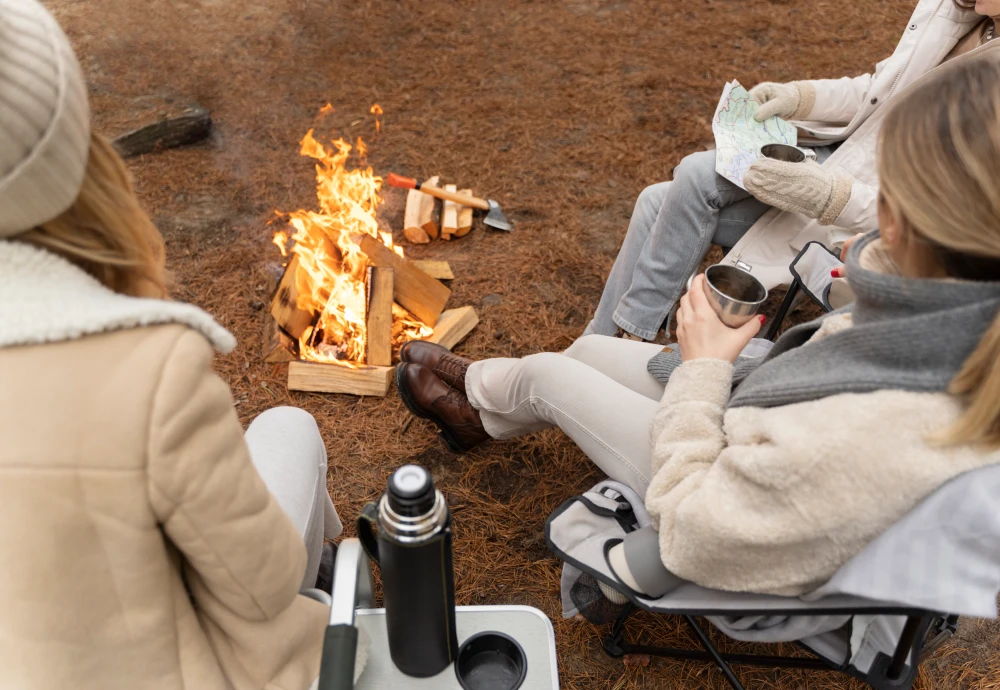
column 414, row 290
column 436, row 269
column 192, row 125
column 379, row 316
column 427, row 209
column 334, row 378
column 416, row 235
column 449, row 216
column 464, row 217
column 453, row 326
column 284, row 307
column 278, row 345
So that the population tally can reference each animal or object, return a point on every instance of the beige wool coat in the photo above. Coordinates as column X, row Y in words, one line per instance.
column 775, row 500
column 141, row 549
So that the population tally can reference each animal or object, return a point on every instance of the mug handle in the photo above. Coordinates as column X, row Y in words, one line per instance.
column 367, row 521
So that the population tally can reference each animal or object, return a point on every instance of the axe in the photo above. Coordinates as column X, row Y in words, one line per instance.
column 494, row 216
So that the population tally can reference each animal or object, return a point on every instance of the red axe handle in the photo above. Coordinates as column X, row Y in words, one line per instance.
column 395, row 180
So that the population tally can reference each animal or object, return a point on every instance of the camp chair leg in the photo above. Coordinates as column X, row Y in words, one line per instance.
column 905, row 647
column 779, row 317
column 716, row 657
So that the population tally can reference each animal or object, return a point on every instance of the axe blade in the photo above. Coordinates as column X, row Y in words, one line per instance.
column 495, row 217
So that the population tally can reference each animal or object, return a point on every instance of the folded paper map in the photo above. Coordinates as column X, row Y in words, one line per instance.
column 738, row 136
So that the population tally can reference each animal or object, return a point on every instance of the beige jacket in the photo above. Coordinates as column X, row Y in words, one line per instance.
column 850, row 110
column 775, row 500
column 141, row 549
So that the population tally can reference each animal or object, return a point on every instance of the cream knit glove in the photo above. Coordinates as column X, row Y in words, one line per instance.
column 788, row 101
column 805, row 188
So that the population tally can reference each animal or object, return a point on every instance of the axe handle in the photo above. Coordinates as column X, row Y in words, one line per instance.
column 461, row 199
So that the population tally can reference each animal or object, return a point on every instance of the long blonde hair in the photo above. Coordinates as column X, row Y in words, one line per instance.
column 939, row 170
column 106, row 232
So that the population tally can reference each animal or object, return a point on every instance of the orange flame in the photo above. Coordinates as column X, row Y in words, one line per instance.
column 332, row 269
column 376, row 111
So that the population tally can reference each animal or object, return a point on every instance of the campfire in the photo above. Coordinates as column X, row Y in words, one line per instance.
column 348, row 297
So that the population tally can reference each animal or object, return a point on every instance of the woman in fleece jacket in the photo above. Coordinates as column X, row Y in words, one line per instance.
column 771, row 483
column 147, row 543
column 784, row 205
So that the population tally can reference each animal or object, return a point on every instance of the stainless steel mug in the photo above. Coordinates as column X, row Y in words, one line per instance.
column 413, row 550
column 783, row 152
column 735, row 295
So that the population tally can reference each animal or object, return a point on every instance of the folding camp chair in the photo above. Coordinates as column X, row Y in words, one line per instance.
column 877, row 617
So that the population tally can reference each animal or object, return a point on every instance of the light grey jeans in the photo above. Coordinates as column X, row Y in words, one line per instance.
column 598, row 392
column 289, row 454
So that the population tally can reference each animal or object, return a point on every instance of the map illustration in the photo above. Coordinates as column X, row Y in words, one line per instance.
column 738, row 137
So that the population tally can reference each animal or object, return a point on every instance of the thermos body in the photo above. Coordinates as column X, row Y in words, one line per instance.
column 418, row 582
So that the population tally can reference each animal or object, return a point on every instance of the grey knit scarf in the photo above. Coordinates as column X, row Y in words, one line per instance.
column 908, row 334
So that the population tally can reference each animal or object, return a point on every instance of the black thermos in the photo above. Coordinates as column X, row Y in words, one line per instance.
column 413, row 551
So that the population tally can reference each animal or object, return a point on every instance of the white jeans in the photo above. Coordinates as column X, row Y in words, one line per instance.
column 598, row 392
column 289, row 454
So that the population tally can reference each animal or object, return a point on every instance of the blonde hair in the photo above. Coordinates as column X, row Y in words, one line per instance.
column 106, row 232
column 939, row 170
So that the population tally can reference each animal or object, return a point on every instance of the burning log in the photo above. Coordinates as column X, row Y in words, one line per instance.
column 332, row 378
column 277, row 346
column 413, row 289
column 284, row 305
column 440, row 270
column 379, row 321
column 453, row 326
column 418, row 218
column 464, row 217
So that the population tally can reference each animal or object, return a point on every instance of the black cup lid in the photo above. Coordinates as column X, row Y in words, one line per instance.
column 411, row 491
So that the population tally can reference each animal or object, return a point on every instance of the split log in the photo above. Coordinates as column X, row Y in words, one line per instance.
column 427, row 209
column 453, row 326
column 276, row 345
column 379, row 316
column 190, row 126
column 464, row 217
column 284, row 307
column 414, row 290
column 436, row 269
column 334, row 378
column 449, row 216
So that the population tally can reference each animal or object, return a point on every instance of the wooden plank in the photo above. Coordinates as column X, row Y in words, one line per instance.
column 464, row 217
column 278, row 346
column 453, row 326
column 414, row 290
column 379, row 322
column 334, row 378
column 449, row 216
column 283, row 305
column 440, row 270
column 189, row 126
column 427, row 223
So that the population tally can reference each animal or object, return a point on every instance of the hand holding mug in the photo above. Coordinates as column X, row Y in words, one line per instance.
column 702, row 334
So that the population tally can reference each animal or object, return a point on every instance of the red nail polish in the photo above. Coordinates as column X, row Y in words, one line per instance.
column 837, row 272
column 763, row 319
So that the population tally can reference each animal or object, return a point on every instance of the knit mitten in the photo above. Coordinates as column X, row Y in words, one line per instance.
column 805, row 188
column 792, row 101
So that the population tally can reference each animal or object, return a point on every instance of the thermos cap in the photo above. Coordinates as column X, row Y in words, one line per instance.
column 411, row 491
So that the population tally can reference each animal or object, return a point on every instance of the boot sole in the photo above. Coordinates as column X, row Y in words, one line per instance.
column 444, row 431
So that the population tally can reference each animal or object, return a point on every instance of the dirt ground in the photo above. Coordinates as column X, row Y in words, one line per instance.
column 563, row 110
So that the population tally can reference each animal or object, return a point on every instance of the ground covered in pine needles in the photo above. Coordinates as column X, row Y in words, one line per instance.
column 562, row 110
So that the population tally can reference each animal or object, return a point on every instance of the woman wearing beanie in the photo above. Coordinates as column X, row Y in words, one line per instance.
column 785, row 205
column 749, row 483
column 142, row 547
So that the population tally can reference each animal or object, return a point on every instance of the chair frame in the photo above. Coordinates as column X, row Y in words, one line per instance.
column 923, row 633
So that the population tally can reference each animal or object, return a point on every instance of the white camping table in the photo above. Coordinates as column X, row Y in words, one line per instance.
column 530, row 627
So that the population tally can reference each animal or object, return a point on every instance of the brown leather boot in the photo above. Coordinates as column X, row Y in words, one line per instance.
column 446, row 366
column 428, row 397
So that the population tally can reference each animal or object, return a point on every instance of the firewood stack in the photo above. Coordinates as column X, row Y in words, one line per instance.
column 414, row 286
column 419, row 226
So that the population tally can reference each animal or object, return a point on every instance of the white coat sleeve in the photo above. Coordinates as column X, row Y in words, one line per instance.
column 839, row 100
column 859, row 215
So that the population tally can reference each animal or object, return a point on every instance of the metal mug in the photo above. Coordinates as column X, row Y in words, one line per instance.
column 783, row 152
column 735, row 295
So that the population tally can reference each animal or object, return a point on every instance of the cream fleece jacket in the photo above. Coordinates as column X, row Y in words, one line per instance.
column 775, row 500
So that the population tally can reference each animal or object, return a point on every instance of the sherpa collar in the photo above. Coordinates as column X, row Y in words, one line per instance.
column 46, row 299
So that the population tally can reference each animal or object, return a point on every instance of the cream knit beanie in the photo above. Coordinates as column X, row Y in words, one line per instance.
column 44, row 118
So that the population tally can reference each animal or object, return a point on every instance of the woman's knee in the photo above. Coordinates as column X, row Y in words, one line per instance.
column 586, row 348
column 651, row 198
column 697, row 172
